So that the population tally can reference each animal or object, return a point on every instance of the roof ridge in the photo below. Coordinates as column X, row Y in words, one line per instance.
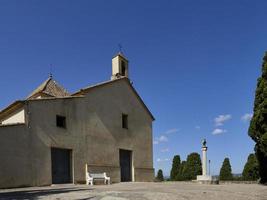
column 50, row 87
column 47, row 81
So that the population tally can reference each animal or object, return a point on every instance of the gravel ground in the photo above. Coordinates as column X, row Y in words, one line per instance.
column 141, row 191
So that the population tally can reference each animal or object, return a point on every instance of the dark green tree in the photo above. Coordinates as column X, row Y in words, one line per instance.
column 226, row 170
column 192, row 166
column 251, row 169
column 160, row 175
column 180, row 176
column 258, row 124
column 176, row 162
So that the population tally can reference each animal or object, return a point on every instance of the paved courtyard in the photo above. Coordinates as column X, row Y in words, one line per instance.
column 141, row 191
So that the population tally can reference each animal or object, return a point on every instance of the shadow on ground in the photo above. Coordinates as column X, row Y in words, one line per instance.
column 34, row 194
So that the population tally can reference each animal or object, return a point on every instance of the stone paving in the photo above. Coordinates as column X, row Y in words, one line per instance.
column 141, row 191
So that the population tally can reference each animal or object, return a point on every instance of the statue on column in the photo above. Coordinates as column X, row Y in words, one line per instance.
column 204, row 178
column 204, row 143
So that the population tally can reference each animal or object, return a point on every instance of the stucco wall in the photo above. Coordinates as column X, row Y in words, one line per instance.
column 107, row 105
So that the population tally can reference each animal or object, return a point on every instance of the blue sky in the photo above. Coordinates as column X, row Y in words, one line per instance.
column 191, row 61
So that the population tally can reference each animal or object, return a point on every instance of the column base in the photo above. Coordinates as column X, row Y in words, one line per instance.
column 206, row 179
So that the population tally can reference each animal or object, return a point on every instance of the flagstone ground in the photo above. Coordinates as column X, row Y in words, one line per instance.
column 141, row 191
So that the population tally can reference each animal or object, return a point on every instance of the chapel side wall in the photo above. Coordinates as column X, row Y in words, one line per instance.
column 15, row 156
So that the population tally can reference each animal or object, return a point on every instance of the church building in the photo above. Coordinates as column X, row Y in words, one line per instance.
column 49, row 137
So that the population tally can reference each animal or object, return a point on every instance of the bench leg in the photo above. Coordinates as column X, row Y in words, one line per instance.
column 90, row 182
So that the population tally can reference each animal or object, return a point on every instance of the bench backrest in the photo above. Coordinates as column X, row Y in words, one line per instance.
column 98, row 175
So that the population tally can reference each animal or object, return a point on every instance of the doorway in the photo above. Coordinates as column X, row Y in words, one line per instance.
column 126, row 165
column 61, row 165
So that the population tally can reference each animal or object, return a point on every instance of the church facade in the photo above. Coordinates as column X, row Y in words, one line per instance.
column 49, row 137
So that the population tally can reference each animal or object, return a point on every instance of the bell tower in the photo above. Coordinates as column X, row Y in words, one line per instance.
column 119, row 66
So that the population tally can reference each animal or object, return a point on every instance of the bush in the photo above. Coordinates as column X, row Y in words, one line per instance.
column 160, row 175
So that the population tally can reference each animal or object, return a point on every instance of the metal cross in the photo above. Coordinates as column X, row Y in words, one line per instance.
column 51, row 68
column 120, row 48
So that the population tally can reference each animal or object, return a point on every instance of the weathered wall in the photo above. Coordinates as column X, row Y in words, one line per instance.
column 94, row 133
column 15, row 156
column 45, row 134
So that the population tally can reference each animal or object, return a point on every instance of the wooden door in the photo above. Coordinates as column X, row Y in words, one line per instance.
column 126, row 165
column 61, row 165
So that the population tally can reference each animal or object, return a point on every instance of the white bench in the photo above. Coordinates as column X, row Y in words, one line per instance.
column 90, row 177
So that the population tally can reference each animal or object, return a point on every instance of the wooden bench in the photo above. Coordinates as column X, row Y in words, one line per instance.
column 90, row 177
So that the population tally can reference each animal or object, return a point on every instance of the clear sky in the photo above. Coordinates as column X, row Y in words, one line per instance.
column 191, row 62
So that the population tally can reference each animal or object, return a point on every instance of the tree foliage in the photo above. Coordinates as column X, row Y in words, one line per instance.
column 226, row 170
column 193, row 166
column 180, row 176
column 175, row 170
column 160, row 175
column 251, row 169
column 258, row 125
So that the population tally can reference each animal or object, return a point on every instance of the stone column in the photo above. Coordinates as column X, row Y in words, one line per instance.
column 204, row 160
column 205, row 178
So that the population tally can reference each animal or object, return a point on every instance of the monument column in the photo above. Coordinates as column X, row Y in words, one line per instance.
column 204, row 178
column 204, row 160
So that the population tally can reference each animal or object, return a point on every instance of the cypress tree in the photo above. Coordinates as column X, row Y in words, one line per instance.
column 181, row 176
column 251, row 169
column 193, row 166
column 226, row 170
column 258, row 124
column 160, row 175
column 176, row 162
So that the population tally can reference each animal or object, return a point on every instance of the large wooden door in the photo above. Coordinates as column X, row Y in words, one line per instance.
column 61, row 165
column 126, row 165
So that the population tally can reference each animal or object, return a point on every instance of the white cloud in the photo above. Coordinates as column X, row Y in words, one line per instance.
column 163, row 139
column 246, row 117
column 174, row 130
column 218, row 131
column 197, row 127
column 163, row 160
column 165, row 150
column 155, row 142
column 219, row 121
